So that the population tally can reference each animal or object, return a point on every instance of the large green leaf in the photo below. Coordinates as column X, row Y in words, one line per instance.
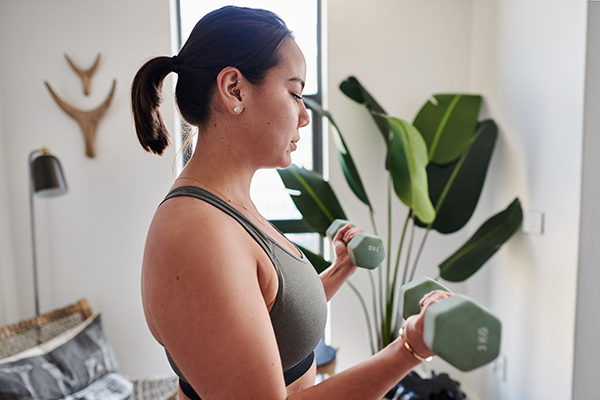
column 348, row 167
column 352, row 88
column 408, row 159
column 313, row 197
column 448, row 124
column 458, row 185
column 483, row 244
column 318, row 262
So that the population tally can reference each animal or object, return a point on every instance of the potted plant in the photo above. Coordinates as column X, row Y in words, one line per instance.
column 436, row 166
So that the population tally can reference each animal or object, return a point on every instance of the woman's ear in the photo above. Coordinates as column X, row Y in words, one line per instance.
column 230, row 87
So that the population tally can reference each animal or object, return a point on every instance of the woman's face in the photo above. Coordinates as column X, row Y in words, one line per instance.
column 276, row 108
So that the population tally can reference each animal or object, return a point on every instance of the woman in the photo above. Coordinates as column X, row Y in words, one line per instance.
column 237, row 307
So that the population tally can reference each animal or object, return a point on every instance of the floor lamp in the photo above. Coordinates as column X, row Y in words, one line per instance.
column 46, row 179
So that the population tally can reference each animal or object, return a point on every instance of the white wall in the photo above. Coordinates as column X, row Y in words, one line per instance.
column 527, row 58
column 7, row 276
column 529, row 63
column 587, row 351
column 90, row 241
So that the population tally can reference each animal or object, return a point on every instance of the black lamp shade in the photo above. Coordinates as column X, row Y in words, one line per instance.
column 47, row 176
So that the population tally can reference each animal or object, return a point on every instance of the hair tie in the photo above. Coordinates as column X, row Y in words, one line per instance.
column 174, row 63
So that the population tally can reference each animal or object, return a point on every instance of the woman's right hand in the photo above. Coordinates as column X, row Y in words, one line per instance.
column 340, row 243
column 342, row 267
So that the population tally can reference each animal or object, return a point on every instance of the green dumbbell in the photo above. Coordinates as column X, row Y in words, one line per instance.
column 460, row 331
column 365, row 251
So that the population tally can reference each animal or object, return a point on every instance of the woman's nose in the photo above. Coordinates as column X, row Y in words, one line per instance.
column 304, row 117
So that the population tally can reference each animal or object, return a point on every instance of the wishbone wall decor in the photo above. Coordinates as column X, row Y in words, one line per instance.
column 85, row 75
column 87, row 120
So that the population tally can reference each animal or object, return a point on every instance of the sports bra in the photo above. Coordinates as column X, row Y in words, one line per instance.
column 299, row 312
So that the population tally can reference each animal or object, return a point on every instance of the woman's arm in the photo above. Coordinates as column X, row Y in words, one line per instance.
column 373, row 378
column 369, row 380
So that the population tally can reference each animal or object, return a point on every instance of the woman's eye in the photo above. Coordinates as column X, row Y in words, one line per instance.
column 297, row 97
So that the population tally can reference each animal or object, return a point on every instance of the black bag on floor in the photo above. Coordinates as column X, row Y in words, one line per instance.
column 438, row 387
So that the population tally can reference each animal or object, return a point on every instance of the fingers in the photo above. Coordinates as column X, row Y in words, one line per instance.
column 347, row 233
column 433, row 297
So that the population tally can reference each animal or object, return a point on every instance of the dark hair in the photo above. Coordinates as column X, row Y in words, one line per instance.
column 245, row 38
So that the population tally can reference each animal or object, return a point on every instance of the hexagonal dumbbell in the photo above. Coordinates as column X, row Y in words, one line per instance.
column 365, row 251
column 459, row 330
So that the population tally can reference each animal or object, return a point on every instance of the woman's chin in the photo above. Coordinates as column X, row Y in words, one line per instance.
column 286, row 162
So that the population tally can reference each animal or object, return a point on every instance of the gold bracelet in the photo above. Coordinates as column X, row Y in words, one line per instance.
column 410, row 349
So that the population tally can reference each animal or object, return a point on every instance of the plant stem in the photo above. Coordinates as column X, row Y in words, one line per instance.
column 371, row 214
column 410, row 245
column 365, row 312
column 384, row 331
column 400, row 248
column 395, row 289
column 376, row 315
column 389, row 245
column 414, row 268
column 390, row 289
column 374, row 297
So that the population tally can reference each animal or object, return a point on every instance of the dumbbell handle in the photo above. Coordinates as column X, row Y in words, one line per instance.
column 365, row 251
column 416, row 290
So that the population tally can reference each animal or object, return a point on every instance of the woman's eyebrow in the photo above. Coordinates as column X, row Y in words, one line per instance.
column 299, row 80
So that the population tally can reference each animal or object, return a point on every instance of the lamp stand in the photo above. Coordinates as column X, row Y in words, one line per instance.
column 33, row 246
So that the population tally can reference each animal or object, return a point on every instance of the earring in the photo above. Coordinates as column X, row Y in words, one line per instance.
column 235, row 92
column 233, row 87
column 236, row 109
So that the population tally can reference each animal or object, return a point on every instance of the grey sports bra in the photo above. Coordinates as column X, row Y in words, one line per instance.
column 299, row 313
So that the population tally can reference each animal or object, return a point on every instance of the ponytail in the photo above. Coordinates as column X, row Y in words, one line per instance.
column 145, row 102
column 245, row 38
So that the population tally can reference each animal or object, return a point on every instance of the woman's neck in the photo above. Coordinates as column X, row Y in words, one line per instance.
column 231, row 188
column 225, row 175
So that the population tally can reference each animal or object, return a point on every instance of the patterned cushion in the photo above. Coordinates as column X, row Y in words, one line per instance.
column 77, row 364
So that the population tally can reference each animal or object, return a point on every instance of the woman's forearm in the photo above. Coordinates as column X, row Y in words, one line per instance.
column 369, row 380
column 334, row 277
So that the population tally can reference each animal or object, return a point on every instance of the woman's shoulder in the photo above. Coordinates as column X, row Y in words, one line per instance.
column 183, row 221
column 195, row 254
column 190, row 238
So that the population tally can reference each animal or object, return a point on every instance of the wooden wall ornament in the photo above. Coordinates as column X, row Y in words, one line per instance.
column 88, row 120
column 85, row 75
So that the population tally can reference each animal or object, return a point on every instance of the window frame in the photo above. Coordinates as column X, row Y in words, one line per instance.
column 298, row 225
column 318, row 156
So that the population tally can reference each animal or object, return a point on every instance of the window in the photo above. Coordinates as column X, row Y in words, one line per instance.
column 268, row 192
